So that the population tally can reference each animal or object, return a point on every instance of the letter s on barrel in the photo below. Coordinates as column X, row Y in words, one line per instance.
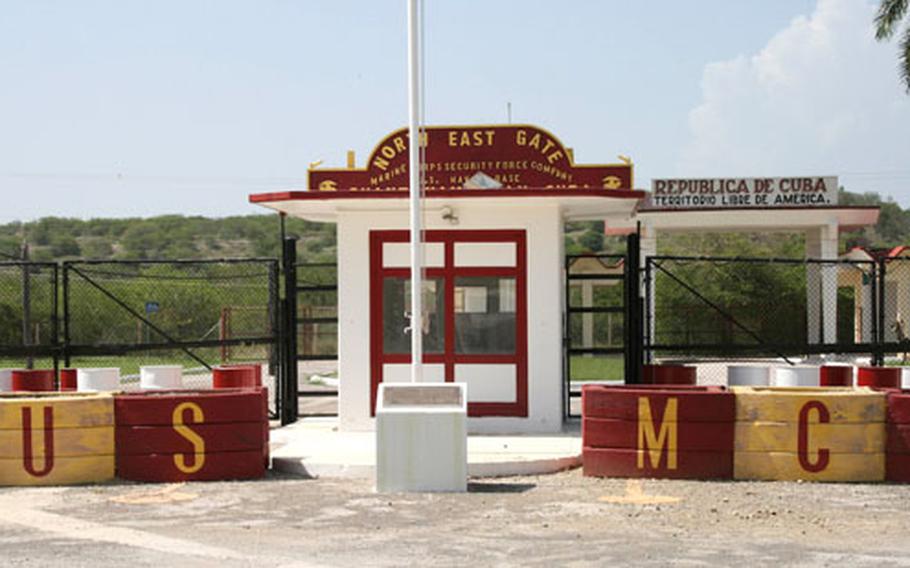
column 802, row 443
column 191, row 436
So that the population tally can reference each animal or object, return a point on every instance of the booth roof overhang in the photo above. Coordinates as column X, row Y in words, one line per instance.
column 595, row 204
column 749, row 219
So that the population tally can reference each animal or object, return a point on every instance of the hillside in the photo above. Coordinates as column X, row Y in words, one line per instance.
column 171, row 236
column 177, row 236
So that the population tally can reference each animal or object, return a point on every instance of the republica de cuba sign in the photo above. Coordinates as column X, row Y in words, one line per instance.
column 722, row 193
column 478, row 157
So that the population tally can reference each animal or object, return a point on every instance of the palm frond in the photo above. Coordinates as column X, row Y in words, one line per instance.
column 905, row 59
column 890, row 13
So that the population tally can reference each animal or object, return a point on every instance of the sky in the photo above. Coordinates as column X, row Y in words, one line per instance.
column 115, row 109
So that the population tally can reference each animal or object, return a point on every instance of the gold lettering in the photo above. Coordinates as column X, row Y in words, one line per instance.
column 399, row 143
column 191, row 436
column 521, row 137
column 653, row 441
column 452, row 141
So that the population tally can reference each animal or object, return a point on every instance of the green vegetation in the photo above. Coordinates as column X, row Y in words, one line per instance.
column 169, row 236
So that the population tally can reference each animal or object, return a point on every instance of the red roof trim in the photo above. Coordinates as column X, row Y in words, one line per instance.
column 456, row 193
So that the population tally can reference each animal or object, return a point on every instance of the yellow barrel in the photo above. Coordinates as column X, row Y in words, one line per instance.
column 817, row 434
column 56, row 438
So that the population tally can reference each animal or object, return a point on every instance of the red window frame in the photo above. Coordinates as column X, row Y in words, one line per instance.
column 448, row 273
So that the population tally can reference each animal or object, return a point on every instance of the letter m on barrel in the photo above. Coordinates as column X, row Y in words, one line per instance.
column 656, row 439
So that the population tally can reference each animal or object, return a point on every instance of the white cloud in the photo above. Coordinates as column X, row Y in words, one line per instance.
column 822, row 97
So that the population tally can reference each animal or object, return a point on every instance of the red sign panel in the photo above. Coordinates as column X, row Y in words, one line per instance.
column 476, row 157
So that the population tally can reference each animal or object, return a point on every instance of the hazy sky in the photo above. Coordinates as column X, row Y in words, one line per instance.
column 143, row 108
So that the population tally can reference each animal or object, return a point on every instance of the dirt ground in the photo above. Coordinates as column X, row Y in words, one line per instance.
column 563, row 519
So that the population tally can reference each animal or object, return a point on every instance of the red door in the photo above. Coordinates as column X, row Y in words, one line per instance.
column 475, row 324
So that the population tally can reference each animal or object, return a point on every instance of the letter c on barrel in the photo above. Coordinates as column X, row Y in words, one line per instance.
column 191, row 436
column 802, row 443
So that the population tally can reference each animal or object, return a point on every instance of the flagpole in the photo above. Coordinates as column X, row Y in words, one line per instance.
column 415, row 190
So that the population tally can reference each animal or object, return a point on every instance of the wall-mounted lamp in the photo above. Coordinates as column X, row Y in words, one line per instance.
column 448, row 214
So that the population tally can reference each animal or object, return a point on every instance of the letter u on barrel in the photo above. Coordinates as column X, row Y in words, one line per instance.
column 191, row 436
column 802, row 450
column 28, row 450
column 653, row 441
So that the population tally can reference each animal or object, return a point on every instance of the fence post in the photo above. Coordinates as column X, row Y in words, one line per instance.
column 289, row 410
column 66, row 315
column 878, row 358
column 633, row 312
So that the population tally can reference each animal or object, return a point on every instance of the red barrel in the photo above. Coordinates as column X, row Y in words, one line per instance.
column 241, row 377
column 32, row 380
column 836, row 376
column 881, row 377
column 668, row 375
column 67, row 379
column 256, row 368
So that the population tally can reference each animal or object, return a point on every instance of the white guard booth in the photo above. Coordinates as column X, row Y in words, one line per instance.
column 496, row 201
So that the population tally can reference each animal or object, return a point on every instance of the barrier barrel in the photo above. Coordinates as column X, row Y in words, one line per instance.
column 683, row 432
column 67, row 380
column 257, row 370
column 836, row 376
column 878, row 377
column 56, row 438
column 748, row 375
column 797, row 376
column 192, row 435
column 668, row 375
column 103, row 379
column 897, row 455
column 6, row 380
column 235, row 377
column 815, row 434
column 161, row 377
column 32, row 380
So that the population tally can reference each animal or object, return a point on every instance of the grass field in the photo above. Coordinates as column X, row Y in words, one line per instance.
column 597, row 368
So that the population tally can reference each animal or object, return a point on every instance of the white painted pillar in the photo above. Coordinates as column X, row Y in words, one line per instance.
column 648, row 248
column 829, row 246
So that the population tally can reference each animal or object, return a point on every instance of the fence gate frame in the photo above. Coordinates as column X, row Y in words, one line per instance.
column 631, row 309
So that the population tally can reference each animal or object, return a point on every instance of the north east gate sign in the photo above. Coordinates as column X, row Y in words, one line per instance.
column 476, row 157
column 715, row 193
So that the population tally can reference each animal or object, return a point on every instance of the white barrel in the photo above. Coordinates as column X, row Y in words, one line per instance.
column 797, row 376
column 748, row 376
column 156, row 377
column 6, row 380
column 98, row 380
column 905, row 378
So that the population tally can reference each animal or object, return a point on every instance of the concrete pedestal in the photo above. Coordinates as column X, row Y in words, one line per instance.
column 421, row 438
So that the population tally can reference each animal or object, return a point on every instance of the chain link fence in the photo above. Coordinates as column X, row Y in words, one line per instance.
column 28, row 314
column 712, row 312
column 196, row 314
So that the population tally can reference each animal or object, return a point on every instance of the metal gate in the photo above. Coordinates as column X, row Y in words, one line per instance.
column 601, row 333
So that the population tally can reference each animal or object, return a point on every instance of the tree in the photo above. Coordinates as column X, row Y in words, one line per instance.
column 887, row 21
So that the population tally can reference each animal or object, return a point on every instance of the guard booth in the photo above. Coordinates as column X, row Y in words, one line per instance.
column 496, row 201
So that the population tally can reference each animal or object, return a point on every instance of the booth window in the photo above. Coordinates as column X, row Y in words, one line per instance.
column 484, row 315
column 396, row 304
